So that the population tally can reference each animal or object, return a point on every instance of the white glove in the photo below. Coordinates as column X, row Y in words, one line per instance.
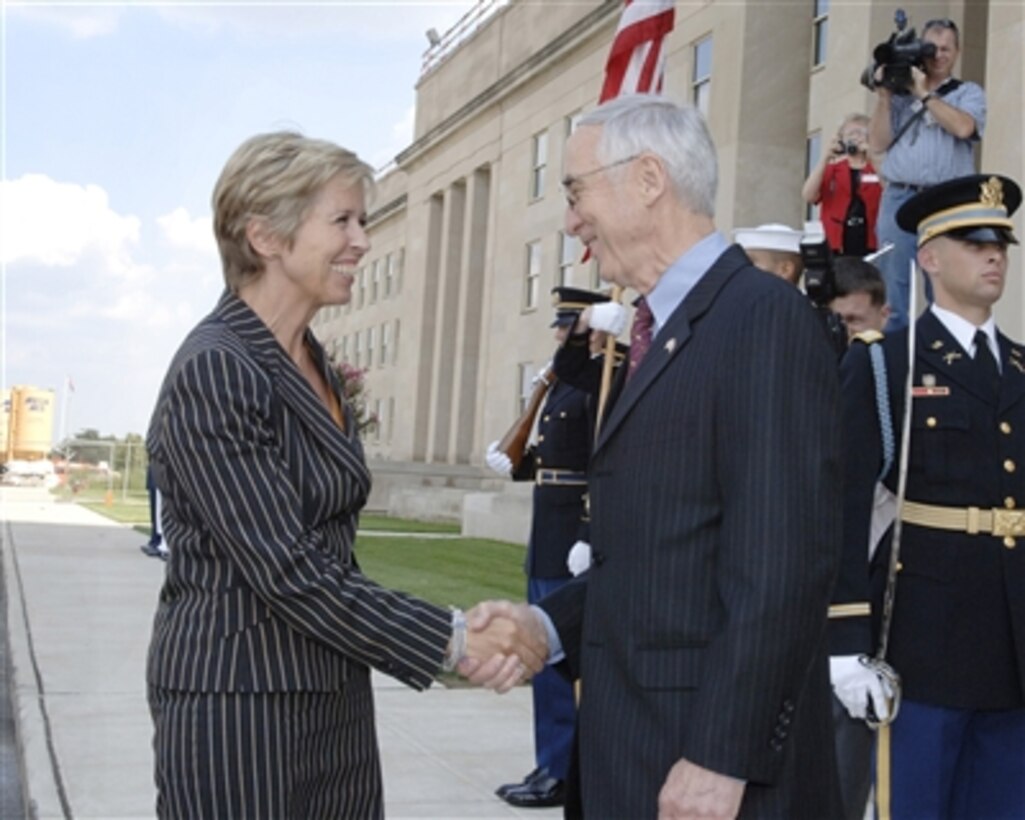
column 608, row 316
column 854, row 683
column 497, row 460
column 579, row 558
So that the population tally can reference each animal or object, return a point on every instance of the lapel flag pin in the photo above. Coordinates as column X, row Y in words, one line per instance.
column 671, row 345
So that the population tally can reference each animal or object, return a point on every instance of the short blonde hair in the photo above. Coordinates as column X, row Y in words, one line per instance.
column 274, row 176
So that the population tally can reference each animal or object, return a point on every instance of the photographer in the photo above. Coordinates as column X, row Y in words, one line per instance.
column 927, row 131
column 847, row 186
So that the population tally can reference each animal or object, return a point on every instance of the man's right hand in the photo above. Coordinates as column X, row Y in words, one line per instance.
column 497, row 460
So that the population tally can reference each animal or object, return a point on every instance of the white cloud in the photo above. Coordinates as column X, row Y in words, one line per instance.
column 56, row 224
column 81, row 20
column 187, row 233
column 370, row 19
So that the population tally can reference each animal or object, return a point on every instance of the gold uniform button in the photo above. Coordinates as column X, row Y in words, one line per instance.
column 547, row 417
column 539, row 461
column 1005, row 428
column 900, row 566
column 931, row 421
column 1009, row 466
column 1009, row 542
column 540, row 438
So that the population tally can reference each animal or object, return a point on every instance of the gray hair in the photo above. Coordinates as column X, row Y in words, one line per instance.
column 635, row 123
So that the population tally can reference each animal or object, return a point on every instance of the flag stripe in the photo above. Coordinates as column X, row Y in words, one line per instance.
column 636, row 61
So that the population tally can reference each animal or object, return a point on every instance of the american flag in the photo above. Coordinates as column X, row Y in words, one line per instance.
column 637, row 60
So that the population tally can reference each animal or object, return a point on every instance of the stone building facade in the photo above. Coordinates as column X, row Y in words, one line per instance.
column 451, row 309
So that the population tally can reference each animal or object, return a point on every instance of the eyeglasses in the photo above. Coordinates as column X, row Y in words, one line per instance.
column 570, row 180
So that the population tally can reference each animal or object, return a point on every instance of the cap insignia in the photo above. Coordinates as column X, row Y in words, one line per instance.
column 991, row 193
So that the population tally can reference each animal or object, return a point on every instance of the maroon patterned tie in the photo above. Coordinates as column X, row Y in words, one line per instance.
column 640, row 335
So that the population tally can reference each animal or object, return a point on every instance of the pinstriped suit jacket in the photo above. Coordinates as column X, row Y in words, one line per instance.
column 699, row 631
column 261, row 494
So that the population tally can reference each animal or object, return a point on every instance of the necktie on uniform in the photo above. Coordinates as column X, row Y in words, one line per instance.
column 984, row 362
column 640, row 334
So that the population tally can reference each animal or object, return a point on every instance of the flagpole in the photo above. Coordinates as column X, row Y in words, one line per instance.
column 636, row 63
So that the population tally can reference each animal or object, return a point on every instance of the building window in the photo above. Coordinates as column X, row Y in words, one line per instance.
column 385, row 344
column 820, row 26
column 375, row 279
column 390, row 420
column 532, row 280
column 701, row 84
column 345, row 348
column 539, row 164
column 361, row 287
column 389, row 275
column 355, row 349
column 595, row 275
column 395, row 344
column 812, row 152
column 371, row 333
column 352, row 290
column 525, row 375
column 377, row 413
column 400, row 261
column 569, row 252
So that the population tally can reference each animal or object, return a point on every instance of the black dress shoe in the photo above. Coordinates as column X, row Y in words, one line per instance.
column 505, row 788
column 541, row 793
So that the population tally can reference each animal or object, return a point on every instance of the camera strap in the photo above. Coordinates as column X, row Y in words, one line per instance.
column 942, row 91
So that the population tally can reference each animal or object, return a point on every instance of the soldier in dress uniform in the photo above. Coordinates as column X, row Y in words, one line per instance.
column 557, row 464
column 957, row 637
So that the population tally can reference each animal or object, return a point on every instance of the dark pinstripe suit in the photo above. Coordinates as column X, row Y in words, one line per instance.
column 715, row 518
column 266, row 627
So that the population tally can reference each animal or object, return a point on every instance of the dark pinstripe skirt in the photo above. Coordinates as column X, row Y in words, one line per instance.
column 267, row 755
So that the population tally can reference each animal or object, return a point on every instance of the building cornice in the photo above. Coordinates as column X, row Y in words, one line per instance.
column 385, row 211
column 510, row 82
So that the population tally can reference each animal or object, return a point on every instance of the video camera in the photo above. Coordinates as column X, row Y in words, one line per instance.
column 897, row 56
column 820, row 286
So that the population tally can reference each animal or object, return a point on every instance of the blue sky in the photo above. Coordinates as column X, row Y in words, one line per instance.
column 116, row 122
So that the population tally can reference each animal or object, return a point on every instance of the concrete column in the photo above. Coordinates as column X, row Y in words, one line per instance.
column 471, row 310
column 428, row 323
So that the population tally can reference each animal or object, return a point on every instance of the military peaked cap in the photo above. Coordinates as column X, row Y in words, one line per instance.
column 977, row 208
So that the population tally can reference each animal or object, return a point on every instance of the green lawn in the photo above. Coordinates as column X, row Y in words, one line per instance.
column 449, row 572
column 384, row 523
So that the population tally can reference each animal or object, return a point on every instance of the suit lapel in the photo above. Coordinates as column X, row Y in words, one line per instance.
column 939, row 353
column 291, row 387
column 671, row 338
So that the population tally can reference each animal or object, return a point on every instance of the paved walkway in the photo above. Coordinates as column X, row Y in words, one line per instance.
column 80, row 602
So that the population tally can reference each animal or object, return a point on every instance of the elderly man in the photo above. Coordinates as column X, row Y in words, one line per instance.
column 699, row 631
column 957, row 636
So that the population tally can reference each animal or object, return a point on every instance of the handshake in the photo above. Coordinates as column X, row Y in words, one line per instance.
column 500, row 645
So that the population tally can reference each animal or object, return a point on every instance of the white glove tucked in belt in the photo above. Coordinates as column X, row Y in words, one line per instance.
column 579, row 558
column 497, row 460
column 854, row 684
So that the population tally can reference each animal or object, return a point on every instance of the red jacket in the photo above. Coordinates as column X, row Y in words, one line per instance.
column 835, row 196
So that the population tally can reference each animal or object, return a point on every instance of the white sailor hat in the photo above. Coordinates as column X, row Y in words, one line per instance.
column 771, row 237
